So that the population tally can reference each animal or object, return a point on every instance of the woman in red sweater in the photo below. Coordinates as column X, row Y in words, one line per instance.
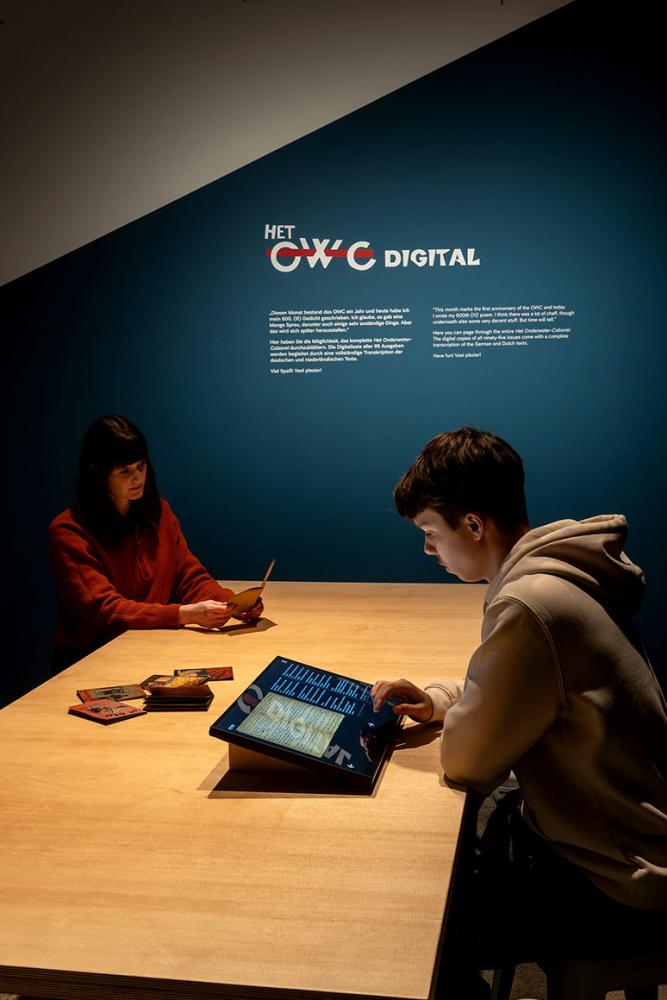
column 119, row 556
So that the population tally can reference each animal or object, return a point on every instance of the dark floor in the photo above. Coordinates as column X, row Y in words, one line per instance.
column 530, row 984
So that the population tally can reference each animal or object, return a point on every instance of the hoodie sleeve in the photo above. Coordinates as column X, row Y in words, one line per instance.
column 443, row 695
column 512, row 695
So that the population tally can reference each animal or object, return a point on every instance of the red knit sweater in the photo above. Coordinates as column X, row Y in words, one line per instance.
column 140, row 584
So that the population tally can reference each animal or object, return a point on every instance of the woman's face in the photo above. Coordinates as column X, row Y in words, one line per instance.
column 126, row 483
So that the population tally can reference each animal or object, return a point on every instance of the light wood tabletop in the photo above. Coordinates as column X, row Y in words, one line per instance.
column 134, row 864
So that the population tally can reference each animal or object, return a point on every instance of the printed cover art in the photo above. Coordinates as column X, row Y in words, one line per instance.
column 168, row 684
column 146, row 684
column 118, row 692
column 106, row 710
column 207, row 673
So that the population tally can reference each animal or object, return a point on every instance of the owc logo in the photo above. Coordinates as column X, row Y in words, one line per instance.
column 286, row 255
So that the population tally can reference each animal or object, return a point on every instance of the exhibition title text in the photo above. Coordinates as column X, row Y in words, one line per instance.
column 288, row 251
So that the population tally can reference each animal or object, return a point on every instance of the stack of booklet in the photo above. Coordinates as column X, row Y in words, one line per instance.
column 189, row 692
column 185, row 690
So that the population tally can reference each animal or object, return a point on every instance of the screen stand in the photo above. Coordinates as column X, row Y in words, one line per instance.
column 244, row 760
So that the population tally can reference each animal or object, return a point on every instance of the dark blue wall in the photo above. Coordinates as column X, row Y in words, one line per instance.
column 543, row 151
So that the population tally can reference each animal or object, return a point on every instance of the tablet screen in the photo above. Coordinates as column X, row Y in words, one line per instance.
column 313, row 717
column 292, row 724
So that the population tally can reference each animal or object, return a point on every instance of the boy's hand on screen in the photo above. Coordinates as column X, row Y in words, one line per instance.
column 407, row 699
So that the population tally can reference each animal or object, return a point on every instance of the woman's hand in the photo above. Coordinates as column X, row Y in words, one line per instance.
column 209, row 614
column 407, row 697
column 253, row 613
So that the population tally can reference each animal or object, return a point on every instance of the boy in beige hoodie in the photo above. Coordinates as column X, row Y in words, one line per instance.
column 560, row 691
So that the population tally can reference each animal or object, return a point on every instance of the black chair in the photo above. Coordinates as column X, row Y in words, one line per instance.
column 617, row 949
column 638, row 974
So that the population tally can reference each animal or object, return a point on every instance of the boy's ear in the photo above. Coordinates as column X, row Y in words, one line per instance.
column 475, row 525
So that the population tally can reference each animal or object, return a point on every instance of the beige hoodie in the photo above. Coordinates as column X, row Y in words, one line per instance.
column 560, row 692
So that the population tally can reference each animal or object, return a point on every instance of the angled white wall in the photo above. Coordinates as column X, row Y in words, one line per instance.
column 110, row 111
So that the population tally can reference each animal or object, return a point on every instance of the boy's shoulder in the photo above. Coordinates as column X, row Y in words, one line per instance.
column 553, row 600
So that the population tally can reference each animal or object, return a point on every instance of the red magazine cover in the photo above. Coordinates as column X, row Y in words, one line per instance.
column 207, row 673
column 119, row 692
column 105, row 710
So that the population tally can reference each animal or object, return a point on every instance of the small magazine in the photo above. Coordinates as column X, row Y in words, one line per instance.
column 246, row 599
column 174, row 683
column 206, row 673
column 106, row 711
column 120, row 692
column 151, row 680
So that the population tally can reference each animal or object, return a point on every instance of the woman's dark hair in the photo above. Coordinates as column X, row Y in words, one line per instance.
column 465, row 471
column 110, row 442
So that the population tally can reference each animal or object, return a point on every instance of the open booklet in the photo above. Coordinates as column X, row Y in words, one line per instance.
column 246, row 599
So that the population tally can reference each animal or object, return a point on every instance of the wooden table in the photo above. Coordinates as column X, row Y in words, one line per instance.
column 132, row 865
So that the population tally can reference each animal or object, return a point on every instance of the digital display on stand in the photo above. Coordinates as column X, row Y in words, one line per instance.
column 312, row 717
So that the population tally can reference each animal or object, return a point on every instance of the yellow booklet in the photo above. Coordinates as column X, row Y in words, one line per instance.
column 246, row 599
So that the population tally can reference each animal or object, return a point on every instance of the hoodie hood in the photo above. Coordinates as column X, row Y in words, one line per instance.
column 588, row 553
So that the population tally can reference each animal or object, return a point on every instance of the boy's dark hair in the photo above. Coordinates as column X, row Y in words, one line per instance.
column 465, row 471
column 111, row 442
